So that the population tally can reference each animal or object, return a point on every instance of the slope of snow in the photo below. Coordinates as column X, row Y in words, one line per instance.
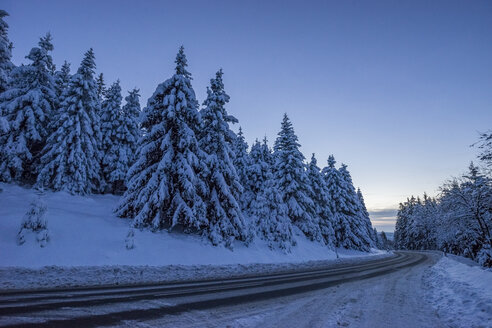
column 85, row 232
column 461, row 293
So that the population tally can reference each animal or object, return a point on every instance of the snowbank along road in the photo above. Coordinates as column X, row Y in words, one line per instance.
column 242, row 302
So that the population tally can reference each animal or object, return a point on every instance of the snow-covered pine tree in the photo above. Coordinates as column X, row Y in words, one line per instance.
column 344, row 236
column 321, row 199
column 403, row 218
column 257, row 172
column 355, row 217
column 384, row 240
column 263, row 201
column 377, row 239
column 46, row 44
column 61, row 79
column 241, row 162
column 267, row 153
column 293, row 182
column 270, row 216
column 34, row 221
column 226, row 222
column 27, row 106
column 100, row 87
column 71, row 158
column 115, row 144
column 131, row 111
column 164, row 185
column 6, row 65
column 365, row 219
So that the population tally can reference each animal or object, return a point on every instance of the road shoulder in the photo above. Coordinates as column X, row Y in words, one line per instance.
column 460, row 293
column 17, row 278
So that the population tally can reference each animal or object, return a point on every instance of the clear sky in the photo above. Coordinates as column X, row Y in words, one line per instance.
column 397, row 90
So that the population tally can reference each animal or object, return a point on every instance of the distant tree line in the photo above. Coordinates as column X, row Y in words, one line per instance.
column 382, row 241
column 178, row 165
column 459, row 219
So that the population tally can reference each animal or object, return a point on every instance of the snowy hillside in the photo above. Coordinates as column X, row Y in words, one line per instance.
column 85, row 232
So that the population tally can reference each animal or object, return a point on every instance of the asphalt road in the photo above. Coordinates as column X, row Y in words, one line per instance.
column 112, row 306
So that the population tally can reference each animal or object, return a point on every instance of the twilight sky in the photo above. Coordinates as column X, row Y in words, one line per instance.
column 397, row 90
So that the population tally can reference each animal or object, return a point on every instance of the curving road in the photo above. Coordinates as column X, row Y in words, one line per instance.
column 229, row 300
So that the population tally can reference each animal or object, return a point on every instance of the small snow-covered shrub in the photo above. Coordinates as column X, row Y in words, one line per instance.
column 35, row 221
column 484, row 257
column 130, row 239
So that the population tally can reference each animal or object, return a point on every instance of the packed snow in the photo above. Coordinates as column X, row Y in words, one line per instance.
column 461, row 293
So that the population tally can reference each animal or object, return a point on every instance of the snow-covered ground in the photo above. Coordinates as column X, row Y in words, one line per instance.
column 461, row 293
column 87, row 243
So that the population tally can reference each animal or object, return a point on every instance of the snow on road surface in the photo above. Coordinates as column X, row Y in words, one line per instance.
column 393, row 300
column 460, row 293
column 143, row 304
column 436, row 293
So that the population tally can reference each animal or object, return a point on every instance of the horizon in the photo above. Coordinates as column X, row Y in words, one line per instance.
column 398, row 93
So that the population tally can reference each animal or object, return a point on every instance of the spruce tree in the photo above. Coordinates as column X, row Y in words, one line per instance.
column 100, row 87
column 293, row 181
column 403, row 222
column 358, row 221
column 164, row 185
column 344, row 236
column 267, row 153
column 271, row 219
column 377, row 239
column 35, row 221
column 226, row 222
column 384, row 240
column 6, row 65
column 61, row 80
column 46, row 44
column 257, row 172
column 116, row 154
column 71, row 158
column 27, row 106
column 241, row 158
column 321, row 199
column 266, row 209
column 365, row 219
column 132, row 111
